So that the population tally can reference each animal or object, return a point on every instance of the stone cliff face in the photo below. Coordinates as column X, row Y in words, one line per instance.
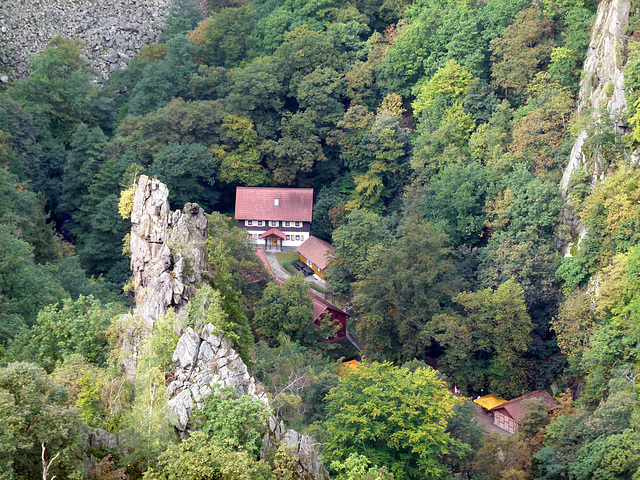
column 112, row 30
column 205, row 361
column 168, row 262
column 602, row 81
column 168, row 251
column 601, row 87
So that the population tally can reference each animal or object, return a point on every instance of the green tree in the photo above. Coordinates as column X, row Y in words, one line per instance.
column 353, row 240
column 319, row 94
column 84, row 159
column 401, row 286
column 240, row 155
column 297, row 379
column 225, row 38
column 59, row 86
column 25, row 287
column 190, row 171
column 230, row 250
column 100, row 229
column 196, row 458
column 296, row 152
column 147, row 427
column 357, row 467
column 455, row 198
column 164, row 80
column 287, row 308
column 523, row 49
column 38, row 425
column 451, row 80
column 73, row 327
column 238, row 421
column 394, row 416
column 447, row 142
column 485, row 345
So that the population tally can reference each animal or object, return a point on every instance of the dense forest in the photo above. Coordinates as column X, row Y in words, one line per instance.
column 434, row 134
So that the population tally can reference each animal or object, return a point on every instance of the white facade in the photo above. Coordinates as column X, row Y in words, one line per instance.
column 292, row 238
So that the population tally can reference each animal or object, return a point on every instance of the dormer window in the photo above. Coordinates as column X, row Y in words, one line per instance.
column 276, row 202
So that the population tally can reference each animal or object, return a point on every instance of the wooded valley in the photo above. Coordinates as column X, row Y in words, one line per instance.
column 435, row 134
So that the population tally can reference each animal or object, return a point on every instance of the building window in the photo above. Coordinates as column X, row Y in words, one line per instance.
column 297, row 238
column 250, row 236
column 259, row 223
column 288, row 237
column 249, row 222
column 297, row 224
column 287, row 224
column 274, row 223
column 259, row 236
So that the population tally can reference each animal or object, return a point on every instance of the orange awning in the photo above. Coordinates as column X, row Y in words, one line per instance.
column 490, row 401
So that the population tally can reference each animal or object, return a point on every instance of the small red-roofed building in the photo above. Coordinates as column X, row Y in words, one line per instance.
column 322, row 307
column 338, row 317
column 509, row 414
column 281, row 217
column 316, row 253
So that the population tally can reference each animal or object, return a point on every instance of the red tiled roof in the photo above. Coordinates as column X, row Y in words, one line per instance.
column 273, row 231
column 260, row 253
column 258, row 203
column 316, row 250
column 320, row 305
column 517, row 407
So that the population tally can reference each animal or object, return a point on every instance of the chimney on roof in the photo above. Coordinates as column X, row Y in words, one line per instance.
column 276, row 202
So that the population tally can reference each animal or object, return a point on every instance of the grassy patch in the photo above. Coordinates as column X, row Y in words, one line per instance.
column 290, row 256
column 288, row 266
column 318, row 288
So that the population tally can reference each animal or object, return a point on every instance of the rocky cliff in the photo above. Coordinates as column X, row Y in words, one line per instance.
column 601, row 88
column 206, row 360
column 168, row 262
column 112, row 30
column 602, row 81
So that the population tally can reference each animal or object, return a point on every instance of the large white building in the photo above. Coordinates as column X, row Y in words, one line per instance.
column 279, row 217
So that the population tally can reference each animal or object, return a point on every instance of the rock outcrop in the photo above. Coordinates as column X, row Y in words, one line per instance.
column 202, row 362
column 602, row 81
column 168, row 260
column 168, row 251
column 601, row 89
column 205, row 361
column 112, row 30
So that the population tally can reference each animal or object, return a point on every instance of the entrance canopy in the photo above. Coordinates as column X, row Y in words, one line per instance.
column 274, row 232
